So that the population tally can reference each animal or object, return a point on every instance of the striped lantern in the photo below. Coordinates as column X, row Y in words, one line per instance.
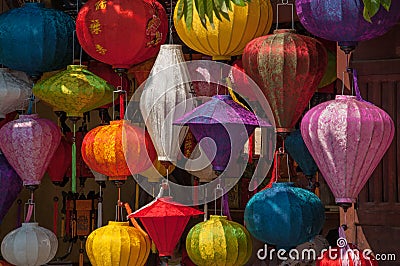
column 226, row 38
column 347, row 139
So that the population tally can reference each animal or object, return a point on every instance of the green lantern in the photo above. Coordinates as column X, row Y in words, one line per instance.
column 219, row 242
column 74, row 91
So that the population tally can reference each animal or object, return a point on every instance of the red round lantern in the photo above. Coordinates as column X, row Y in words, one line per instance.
column 60, row 162
column 121, row 33
column 334, row 257
column 288, row 68
column 117, row 150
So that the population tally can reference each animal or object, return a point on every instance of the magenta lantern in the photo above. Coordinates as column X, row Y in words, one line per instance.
column 347, row 138
column 29, row 143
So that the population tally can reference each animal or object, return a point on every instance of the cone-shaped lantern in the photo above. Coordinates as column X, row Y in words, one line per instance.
column 164, row 221
column 295, row 146
column 10, row 186
column 29, row 143
column 342, row 21
column 347, row 139
column 14, row 93
column 227, row 123
column 166, row 96
column 41, row 39
column 60, row 162
column 288, row 68
column 116, row 150
column 74, row 91
column 121, row 33
column 226, row 37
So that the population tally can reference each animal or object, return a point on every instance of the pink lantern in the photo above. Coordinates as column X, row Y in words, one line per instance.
column 347, row 138
column 29, row 143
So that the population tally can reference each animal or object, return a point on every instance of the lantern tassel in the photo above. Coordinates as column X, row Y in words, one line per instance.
column 73, row 170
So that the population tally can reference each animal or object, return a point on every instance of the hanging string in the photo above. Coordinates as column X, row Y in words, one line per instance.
column 218, row 188
column 31, row 207
column 73, row 164
column 171, row 10
column 205, row 205
column 100, row 209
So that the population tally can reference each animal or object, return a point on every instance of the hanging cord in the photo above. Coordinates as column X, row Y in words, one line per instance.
column 31, row 209
column 100, row 209
column 73, row 163
column 284, row 3
column 123, row 96
column 205, row 204
column 171, row 10
column 218, row 188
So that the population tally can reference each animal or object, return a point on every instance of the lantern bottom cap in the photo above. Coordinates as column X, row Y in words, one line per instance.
column 284, row 130
column 344, row 201
column 221, row 57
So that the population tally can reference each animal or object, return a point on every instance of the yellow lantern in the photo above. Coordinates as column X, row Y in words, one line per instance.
column 117, row 244
column 228, row 37
column 219, row 242
column 155, row 172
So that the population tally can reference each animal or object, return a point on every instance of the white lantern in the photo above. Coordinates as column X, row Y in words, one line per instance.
column 29, row 245
column 14, row 92
column 166, row 97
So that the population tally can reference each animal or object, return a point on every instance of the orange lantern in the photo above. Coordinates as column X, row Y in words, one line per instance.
column 117, row 150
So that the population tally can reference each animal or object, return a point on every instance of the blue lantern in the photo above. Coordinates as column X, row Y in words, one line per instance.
column 295, row 146
column 35, row 39
column 284, row 215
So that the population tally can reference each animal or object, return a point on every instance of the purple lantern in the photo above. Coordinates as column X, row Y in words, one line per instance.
column 347, row 138
column 343, row 21
column 227, row 123
column 10, row 186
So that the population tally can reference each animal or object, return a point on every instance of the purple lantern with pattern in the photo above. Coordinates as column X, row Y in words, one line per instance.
column 343, row 21
column 224, row 123
column 347, row 138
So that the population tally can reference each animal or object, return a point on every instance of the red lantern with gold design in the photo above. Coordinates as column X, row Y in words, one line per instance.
column 121, row 33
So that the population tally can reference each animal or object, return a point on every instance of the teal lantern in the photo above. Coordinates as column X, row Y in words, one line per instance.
column 284, row 215
column 35, row 39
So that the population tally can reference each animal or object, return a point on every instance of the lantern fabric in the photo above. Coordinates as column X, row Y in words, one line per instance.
column 29, row 245
column 284, row 215
column 14, row 93
column 117, row 244
column 164, row 221
column 157, row 171
column 44, row 37
column 297, row 149
column 355, row 257
column 74, row 91
column 226, row 38
column 10, row 186
column 167, row 96
column 288, row 68
column 60, row 162
column 347, row 138
column 219, row 242
column 29, row 143
column 122, row 33
column 224, row 121
column 241, row 82
column 116, row 150
column 105, row 72
column 342, row 21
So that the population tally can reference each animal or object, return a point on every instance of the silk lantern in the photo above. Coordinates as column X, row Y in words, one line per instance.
column 288, row 68
column 30, row 245
column 157, row 171
column 116, row 150
column 122, row 33
column 284, row 215
column 75, row 91
column 241, row 82
column 60, row 162
column 44, row 37
column 342, row 21
column 297, row 149
column 10, row 186
column 354, row 257
column 219, row 242
column 164, row 221
column 117, row 244
column 29, row 143
column 227, row 123
column 226, row 37
column 14, row 93
column 166, row 96
column 347, row 138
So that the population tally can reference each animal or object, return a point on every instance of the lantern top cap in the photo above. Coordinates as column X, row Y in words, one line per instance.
column 29, row 116
column 284, row 31
column 118, row 223
column 29, row 224
column 33, row 4
column 283, row 184
column 171, row 46
column 76, row 67
column 218, row 217
column 345, row 97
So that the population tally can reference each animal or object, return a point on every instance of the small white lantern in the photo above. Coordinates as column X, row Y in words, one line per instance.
column 29, row 245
